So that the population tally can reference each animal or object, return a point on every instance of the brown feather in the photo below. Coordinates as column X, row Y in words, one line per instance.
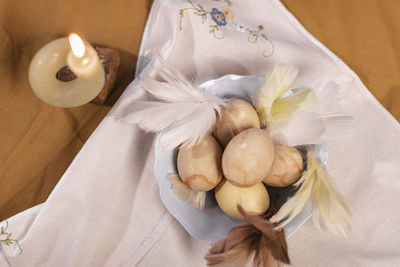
column 234, row 249
column 267, row 258
column 237, row 235
column 236, row 256
column 219, row 247
column 260, row 223
column 283, row 249
column 263, row 258
column 258, row 239
column 274, row 240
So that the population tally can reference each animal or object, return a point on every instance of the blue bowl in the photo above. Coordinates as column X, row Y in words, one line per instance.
column 211, row 224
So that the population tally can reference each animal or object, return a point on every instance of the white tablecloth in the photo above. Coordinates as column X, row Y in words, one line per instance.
column 106, row 209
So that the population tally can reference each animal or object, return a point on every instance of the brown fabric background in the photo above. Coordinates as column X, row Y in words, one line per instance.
column 38, row 142
column 365, row 34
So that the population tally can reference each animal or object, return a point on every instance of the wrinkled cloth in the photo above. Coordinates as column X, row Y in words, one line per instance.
column 106, row 209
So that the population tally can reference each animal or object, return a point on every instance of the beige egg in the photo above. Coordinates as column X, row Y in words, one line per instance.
column 286, row 168
column 237, row 116
column 254, row 199
column 200, row 165
column 248, row 157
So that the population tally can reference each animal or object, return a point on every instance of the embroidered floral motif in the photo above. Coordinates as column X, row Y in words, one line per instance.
column 7, row 238
column 222, row 17
column 218, row 17
column 228, row 13
column 255, row 34
column 241, row 27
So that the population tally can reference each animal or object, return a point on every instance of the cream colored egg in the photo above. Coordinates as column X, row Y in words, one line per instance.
column 286, row 168
column 237, row 116
column 254, row 199
column 248, row 157
column 200, row 165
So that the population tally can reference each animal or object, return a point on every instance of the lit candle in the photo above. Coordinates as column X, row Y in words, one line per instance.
column 84, row 62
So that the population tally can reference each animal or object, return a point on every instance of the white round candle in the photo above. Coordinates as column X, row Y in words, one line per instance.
column 82, row 60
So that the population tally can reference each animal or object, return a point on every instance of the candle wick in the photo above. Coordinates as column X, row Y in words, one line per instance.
column 65, row 74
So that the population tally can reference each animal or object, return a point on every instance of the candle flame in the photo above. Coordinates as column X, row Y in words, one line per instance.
column 77, row 45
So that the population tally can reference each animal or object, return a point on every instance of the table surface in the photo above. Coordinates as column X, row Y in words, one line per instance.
column 38, row 142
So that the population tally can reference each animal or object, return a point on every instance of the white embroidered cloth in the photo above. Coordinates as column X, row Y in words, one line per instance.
column 106, row 209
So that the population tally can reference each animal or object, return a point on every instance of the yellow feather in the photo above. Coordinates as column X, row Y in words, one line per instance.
column 278, row 82
column 328, row 204
column 304, row 100
column 185, row 194
column 270, row 107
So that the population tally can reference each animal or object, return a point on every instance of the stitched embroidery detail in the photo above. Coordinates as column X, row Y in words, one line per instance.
column 222, row 17
column 7, row 238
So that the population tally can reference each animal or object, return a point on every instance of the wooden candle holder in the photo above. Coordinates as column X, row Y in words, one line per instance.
column 110, row 60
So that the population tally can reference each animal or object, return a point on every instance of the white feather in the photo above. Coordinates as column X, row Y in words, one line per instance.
column 332, row 94
column 200, row 123
column 319, row 127
column 185, row 194
column 311, row 128
column 186, row 112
